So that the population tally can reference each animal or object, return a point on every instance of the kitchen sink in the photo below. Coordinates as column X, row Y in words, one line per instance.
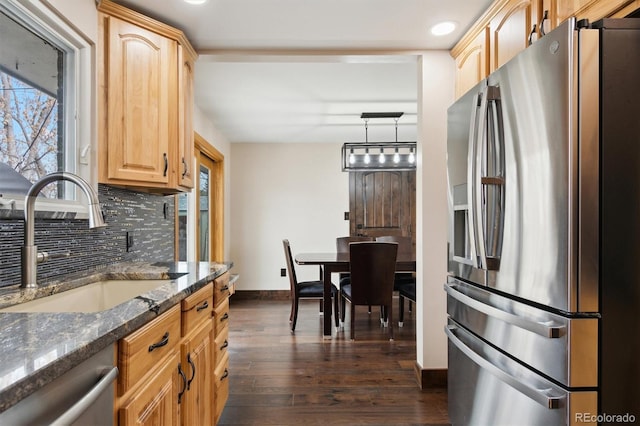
column 94, row 297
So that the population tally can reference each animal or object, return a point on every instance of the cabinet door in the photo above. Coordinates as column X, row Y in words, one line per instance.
column 185, row 115
column 195, row 406
column 155, row 402
column 141, row 97
column 510, row 29
column 471, row 64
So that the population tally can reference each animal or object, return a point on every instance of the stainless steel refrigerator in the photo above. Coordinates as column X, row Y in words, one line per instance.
column 543, row 291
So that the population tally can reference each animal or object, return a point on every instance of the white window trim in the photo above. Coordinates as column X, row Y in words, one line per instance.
column 80, row 126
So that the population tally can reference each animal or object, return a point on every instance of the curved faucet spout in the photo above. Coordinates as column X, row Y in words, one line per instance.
column 30, row 250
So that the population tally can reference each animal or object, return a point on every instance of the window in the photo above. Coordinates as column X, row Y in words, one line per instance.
column 44, row 68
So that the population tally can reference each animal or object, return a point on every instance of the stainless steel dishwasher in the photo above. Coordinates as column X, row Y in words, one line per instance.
column 83, row 396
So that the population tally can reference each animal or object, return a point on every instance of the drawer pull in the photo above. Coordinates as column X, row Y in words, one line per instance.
column 164, row 341
column 166, row 164
column 224, row 288
column 224, row 317
column 184, row 382
column 186, row 168
column 224, row 345
column 193, row 371
column 205, row 305
column 225, row 375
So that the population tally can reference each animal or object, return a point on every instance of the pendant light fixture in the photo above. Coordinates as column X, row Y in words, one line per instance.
column 356, row 155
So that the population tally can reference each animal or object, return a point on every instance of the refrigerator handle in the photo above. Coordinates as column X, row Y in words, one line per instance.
column 541, row 328
column 492, row 182
column 471, row 185
column 476, row 201
column 538, row 395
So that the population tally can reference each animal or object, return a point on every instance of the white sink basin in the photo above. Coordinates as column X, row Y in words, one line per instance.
column 95, row 297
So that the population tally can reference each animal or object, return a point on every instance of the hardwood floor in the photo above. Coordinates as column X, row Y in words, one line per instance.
column 279, row 378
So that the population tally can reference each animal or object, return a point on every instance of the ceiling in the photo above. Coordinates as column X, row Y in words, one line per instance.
column 304, row 70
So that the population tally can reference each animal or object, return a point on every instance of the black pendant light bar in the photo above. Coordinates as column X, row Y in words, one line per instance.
column 383, row 156
column 381, row 115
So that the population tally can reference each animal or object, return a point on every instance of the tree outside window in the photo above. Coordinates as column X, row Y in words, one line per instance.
column 31, row 122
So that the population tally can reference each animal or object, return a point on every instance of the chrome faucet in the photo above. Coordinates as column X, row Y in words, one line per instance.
column 30, row 253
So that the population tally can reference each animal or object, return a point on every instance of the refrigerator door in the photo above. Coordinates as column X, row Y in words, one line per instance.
column 516, row 202
column 462, row 125
column 488, row 388
column 562, row 348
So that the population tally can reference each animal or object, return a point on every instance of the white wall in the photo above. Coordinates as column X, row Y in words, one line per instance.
column 81, row 14
column 435, row 93
column 278, row 191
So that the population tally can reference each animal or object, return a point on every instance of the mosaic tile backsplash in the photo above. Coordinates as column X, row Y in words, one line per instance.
column 148, row 218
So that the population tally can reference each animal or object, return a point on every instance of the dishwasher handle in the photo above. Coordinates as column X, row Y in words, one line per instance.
column 73, row 413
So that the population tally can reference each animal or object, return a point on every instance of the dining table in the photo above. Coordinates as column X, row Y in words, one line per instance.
column 337, row 262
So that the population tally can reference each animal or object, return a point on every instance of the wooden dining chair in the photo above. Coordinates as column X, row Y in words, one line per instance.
column 405, row 248
column 406, row 291
column 372, row 268
column 342, row 246
column 305, row 289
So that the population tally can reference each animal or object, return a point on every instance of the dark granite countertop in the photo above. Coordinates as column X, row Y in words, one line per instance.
column 37, row 348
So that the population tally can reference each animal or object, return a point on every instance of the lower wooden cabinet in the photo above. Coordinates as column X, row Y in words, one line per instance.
column 196, row 361
column 154, row 402
column 173, row 370
column 221, row 393
column 220, row 336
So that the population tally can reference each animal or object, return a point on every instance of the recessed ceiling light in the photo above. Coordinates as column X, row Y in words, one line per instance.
column 195, row 1
column 443, row 28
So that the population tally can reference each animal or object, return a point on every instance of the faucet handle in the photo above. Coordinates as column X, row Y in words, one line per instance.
column 44, row 256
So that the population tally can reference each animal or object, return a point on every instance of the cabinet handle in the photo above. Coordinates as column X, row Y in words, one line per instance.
column 224, row 317
column 224, row 288
column 205, row 305
column 545, row 16
column 184, row 382
column 224, row 345
column 225, row 375
column 164, row 341
column 166, row 164
column 193, row 371
column 186, row 168
column 533, row 31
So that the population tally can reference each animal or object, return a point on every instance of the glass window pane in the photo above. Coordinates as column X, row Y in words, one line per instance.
column 31, row 104
column 203, row 216
column 183, row 218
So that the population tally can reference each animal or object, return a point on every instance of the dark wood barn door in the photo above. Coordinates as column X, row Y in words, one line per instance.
column 382, row 203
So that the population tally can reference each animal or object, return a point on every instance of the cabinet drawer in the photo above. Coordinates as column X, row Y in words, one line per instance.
column 221, row 344
column 141, row 351
column 220, row 316
column 197, row 308
column 221, row 377
column 221, row 288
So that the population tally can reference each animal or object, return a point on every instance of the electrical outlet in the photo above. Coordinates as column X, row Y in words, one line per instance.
column 129, row 240
column 283, row 272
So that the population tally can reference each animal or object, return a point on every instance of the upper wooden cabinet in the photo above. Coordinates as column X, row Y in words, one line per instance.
column 510, row 30
column 145, row 102
column 472, row 64
column 506, row 26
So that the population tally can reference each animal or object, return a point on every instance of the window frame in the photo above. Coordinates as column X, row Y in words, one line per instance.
column 79, row 129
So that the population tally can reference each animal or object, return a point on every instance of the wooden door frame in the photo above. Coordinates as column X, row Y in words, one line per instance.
column 216, row 201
